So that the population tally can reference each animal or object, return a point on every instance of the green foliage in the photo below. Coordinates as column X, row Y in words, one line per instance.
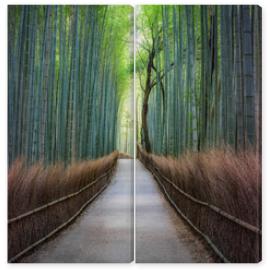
column 206, row 63
column 69, row 71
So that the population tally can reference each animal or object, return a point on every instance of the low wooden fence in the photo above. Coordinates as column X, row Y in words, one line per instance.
column 201, row 216
column 27, row 231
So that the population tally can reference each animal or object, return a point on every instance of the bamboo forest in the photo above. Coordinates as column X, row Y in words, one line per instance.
column 158, row 106
column 198, row 118
column 199, row 78
column 66, row 65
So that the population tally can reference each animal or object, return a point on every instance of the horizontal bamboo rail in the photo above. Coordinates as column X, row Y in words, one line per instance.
column 59, row 228
column 214, row 208
column 206, row 238
column 43, row 207
column 157, row 175
column 63, row 225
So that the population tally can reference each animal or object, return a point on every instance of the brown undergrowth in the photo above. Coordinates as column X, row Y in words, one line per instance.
column 124, row 155
column 35, row 186
column 231, row 181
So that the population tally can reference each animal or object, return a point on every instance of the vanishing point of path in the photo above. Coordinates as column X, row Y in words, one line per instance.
column 103, row 232
column 161, row 235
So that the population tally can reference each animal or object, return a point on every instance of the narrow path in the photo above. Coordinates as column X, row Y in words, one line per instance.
column 103, row 233
column 161, row 235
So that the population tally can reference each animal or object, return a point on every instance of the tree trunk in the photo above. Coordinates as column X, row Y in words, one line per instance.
column 146, row 140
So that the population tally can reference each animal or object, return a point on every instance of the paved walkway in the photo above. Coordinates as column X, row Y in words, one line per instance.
column 161, row 235
column 103, row 233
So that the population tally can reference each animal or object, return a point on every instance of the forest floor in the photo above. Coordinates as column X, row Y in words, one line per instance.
column 161, row 235
column 103, row 233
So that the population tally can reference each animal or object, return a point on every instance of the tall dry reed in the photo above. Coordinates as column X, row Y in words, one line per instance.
column 228, row 180
column 35, row 186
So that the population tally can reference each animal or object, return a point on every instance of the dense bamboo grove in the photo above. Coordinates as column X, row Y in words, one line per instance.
column 199, row 115
column 199, row 78
column 67, row 73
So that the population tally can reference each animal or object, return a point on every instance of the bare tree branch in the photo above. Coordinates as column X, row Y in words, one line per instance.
column 144, row 62
column 140, row 80
column 143, row 47
column 161, row 76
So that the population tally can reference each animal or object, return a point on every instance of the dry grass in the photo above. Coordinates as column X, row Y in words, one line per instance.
column 31, row 187
column 227, row 180
column 124, row 156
